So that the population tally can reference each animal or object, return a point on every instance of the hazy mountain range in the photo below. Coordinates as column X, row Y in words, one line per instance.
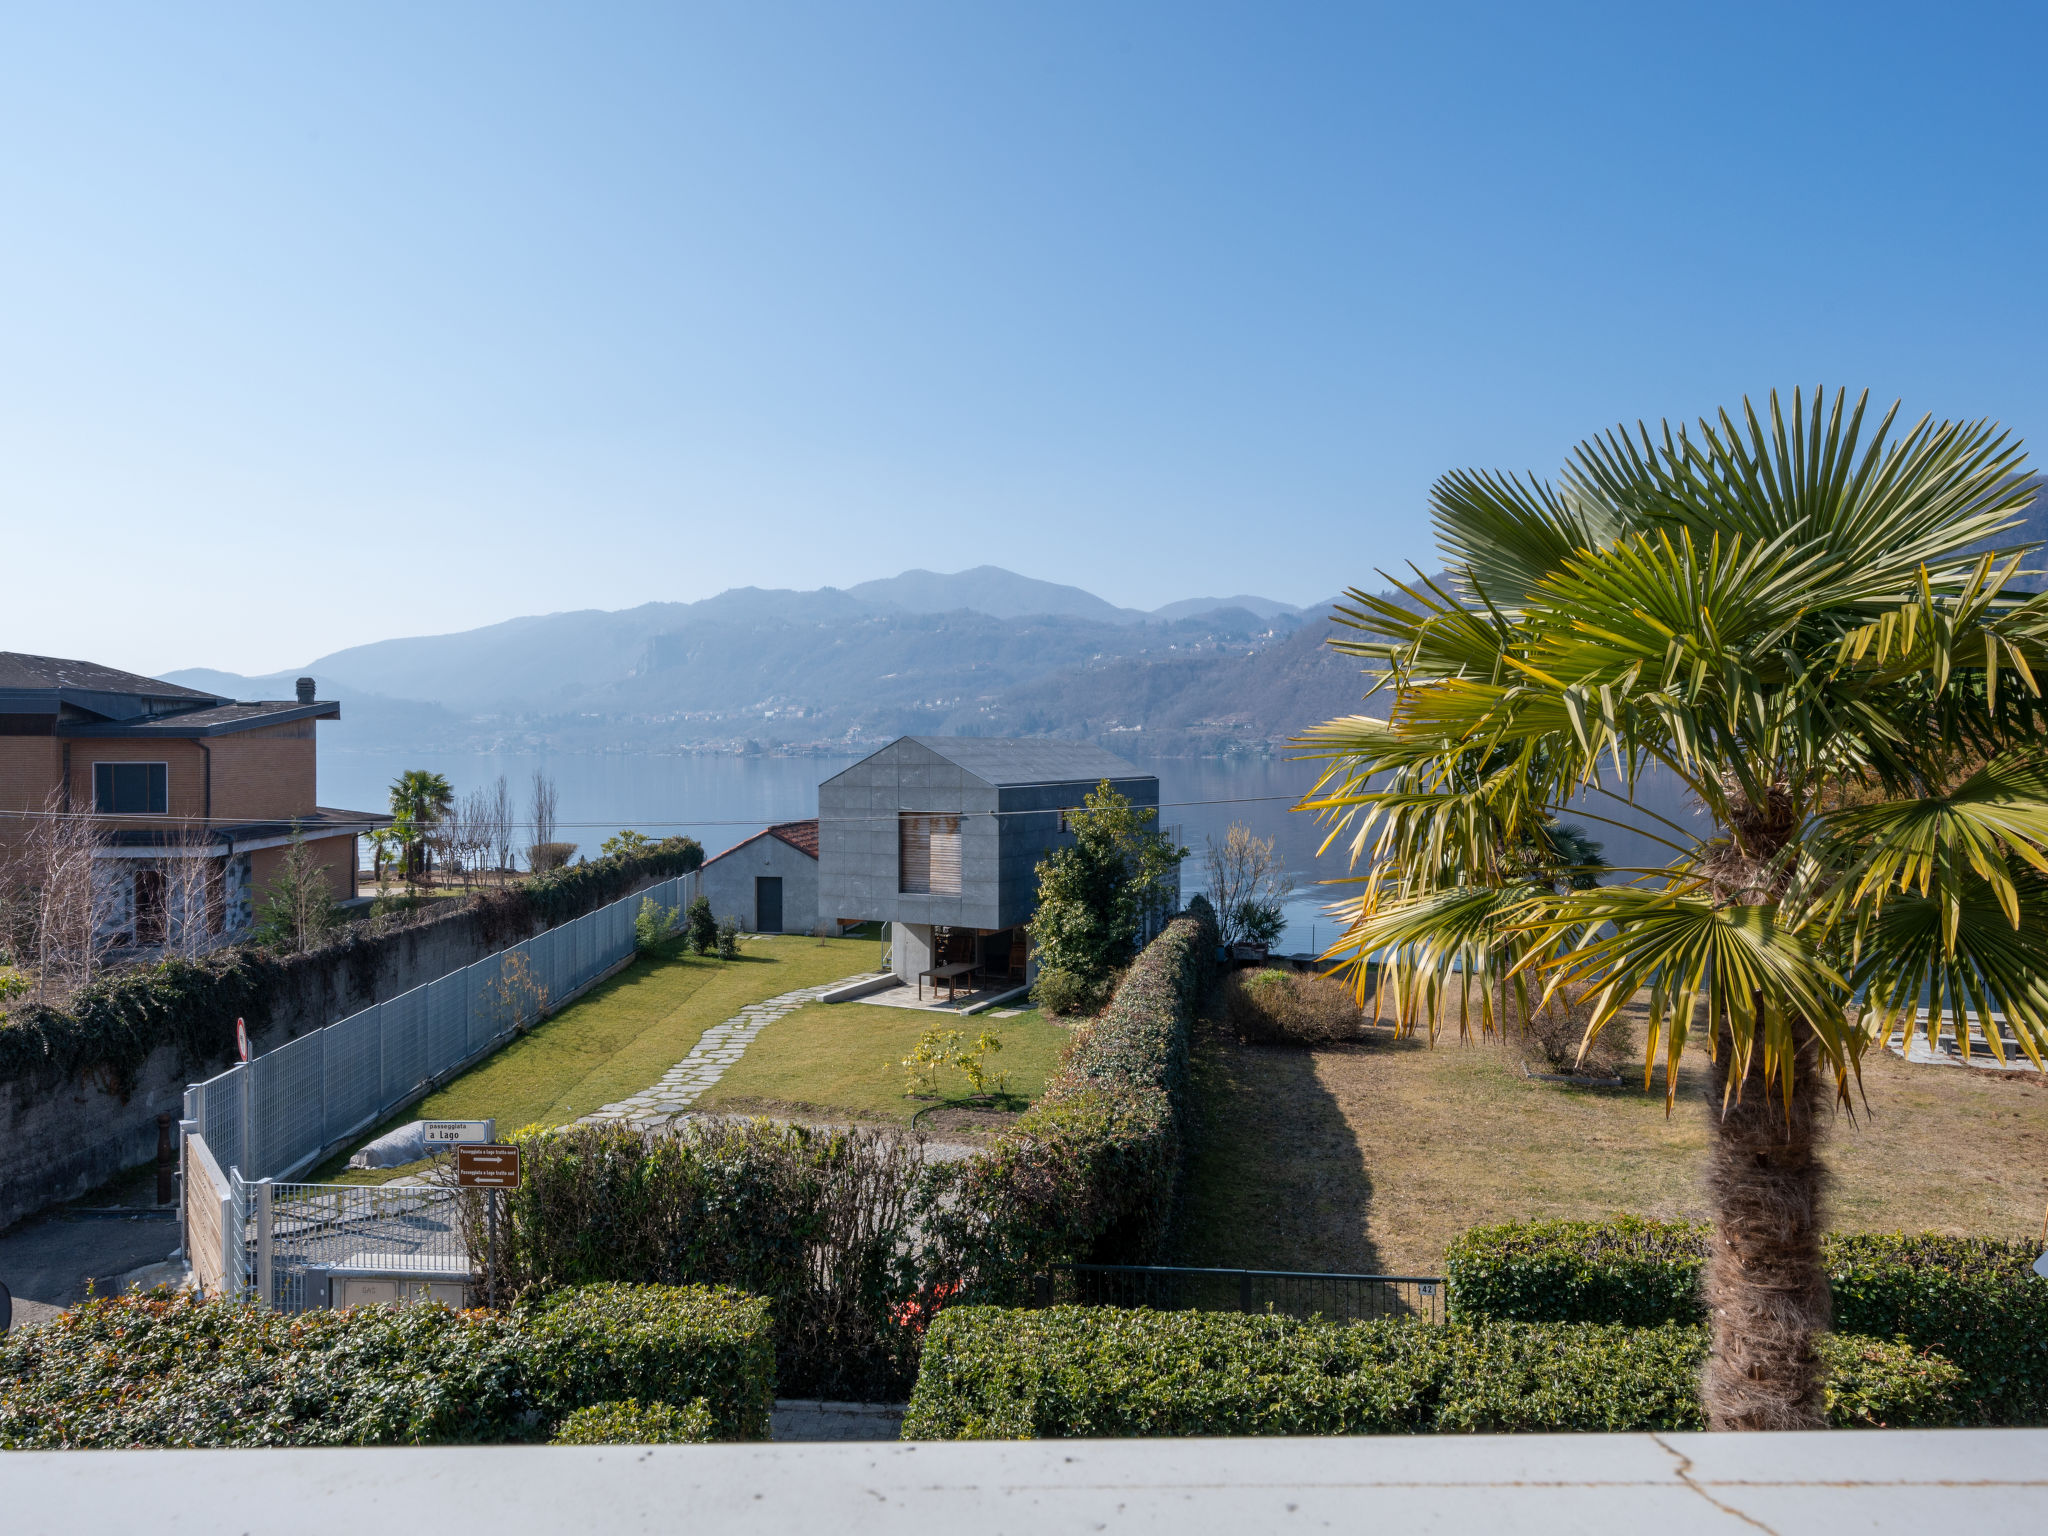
column 983, row 651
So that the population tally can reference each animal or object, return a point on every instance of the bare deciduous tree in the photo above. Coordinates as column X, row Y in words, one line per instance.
column 60, row 901
column 1248, row 886
column 194, row 897
column 504, row 836
column 544, row 808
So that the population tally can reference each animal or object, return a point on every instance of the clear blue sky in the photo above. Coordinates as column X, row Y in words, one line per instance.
column 398, row 319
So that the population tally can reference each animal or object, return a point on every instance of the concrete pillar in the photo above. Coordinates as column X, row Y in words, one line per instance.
column 910, row 950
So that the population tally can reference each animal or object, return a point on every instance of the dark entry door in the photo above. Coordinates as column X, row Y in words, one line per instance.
column 768, row 903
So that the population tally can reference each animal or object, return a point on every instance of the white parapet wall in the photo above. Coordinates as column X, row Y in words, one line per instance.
column 1983, row 1482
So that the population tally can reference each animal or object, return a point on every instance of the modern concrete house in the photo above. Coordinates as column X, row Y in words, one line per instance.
column 941, row 837
column 769, row 883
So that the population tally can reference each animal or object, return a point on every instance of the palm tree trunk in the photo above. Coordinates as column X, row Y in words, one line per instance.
column 1767, row 1292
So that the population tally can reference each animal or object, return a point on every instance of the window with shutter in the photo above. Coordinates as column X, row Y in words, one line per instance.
column 131, row 789
column 928, row 855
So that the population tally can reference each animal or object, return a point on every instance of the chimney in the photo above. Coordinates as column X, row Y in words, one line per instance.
column 305, row 690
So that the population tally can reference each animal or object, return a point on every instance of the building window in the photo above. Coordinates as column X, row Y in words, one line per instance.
column 929, row 849
column 131, row 789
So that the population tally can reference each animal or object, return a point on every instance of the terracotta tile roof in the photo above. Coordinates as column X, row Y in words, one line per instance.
column 800, row 835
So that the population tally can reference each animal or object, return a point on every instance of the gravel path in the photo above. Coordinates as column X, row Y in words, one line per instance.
column 659, row 1107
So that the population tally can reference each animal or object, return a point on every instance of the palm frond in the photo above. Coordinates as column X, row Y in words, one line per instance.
column 1965, row 961
column 1754, row 976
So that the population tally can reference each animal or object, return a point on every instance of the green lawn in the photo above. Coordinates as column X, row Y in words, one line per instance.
column 619, row 1037
column 846, row 1059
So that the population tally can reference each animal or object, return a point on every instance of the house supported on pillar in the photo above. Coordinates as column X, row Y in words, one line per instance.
column 941, row 837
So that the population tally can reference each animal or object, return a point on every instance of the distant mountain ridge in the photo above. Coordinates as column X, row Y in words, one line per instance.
column 983, row 651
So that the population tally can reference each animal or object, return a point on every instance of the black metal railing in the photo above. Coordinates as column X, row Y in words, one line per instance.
column 1292, row 1293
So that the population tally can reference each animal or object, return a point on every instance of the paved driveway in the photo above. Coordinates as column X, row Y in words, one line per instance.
column 48, row 1261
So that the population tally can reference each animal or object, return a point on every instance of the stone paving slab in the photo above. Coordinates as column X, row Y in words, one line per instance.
column 669, row 1100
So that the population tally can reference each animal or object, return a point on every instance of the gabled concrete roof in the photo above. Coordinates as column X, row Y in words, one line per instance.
column 1028, row 760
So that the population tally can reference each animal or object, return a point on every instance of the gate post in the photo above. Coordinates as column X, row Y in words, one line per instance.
column 263, row 1265
column 187, row 1129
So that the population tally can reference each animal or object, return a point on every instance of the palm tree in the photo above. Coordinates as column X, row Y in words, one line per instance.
column 1797, row 626
column 419, row 800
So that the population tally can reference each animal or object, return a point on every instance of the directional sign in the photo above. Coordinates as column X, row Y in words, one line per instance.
column 492, row 1167
column 443, row 1133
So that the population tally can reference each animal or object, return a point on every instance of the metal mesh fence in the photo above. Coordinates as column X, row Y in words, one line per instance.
column 277, row 1113
column 312, row 1230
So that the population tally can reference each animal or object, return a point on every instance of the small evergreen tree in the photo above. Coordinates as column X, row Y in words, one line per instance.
column 298, row 903
column 1096, row 897
column 702, row 926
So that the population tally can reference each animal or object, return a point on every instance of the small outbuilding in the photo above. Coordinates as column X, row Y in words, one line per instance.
column 941, row 837
column 769, row 883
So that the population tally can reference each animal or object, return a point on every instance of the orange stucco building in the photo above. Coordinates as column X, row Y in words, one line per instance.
column 168, row 775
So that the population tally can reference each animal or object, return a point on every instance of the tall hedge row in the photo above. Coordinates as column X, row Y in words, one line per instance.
column 820, row 1222
column 158, row 1369
column 1092, row 1170
column 110, row 1028
column 992, row 1373
column 1974, row 1300
column 852, row 1235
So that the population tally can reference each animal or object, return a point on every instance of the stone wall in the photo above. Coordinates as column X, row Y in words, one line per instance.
column 64, row 1140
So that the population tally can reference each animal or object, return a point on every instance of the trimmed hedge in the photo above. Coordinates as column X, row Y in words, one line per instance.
column 110, row 1027
column 991, row 1373
column 1975, row 1301
column 635, row 1423
column 158, row 1369
column 1627, row 1270
column 817, row 1221
column 1092, row 1170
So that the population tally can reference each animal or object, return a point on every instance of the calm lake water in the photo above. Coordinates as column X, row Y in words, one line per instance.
column 721, row 800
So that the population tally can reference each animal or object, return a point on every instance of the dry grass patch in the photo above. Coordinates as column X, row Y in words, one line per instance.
column 1371, row 1156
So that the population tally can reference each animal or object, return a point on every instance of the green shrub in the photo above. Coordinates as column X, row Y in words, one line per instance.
column 667, row 1344
column 159, row 1369
column 1973, row 1300
column 990, row 1373
column 817, row 1221
column 1065, row 994
column 1626, row 1270
column 651, row 924
column 634, row 1423
column 701, row 926
column 728, row 940
column 1092, row 1169
column 850, row 1235
column 562, row 894
column 1275, row 1007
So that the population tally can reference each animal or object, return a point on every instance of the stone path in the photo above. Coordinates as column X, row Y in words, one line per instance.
column 659, row 1107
